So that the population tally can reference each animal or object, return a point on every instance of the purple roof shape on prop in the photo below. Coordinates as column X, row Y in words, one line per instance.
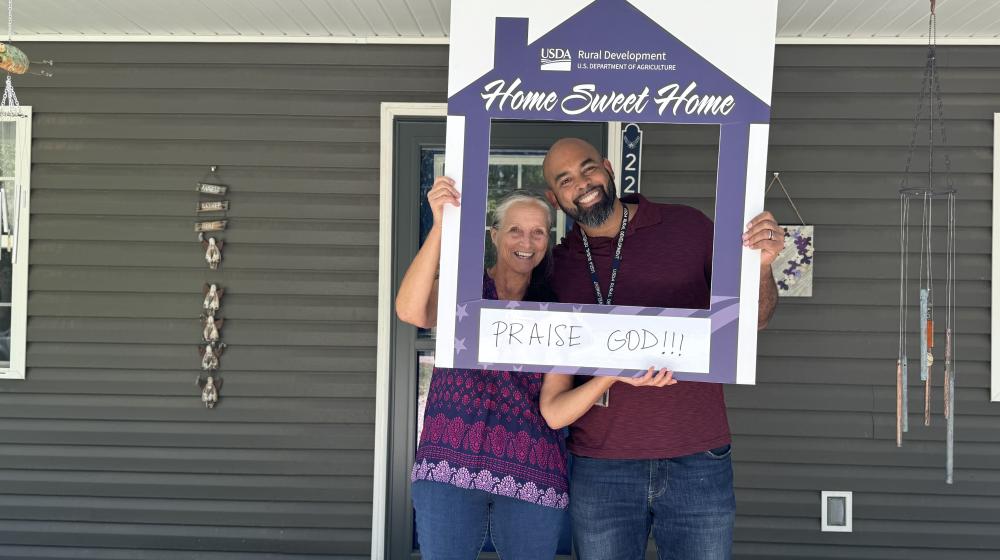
column 621, row 28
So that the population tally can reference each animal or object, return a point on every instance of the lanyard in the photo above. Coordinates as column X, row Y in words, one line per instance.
column 615, row 263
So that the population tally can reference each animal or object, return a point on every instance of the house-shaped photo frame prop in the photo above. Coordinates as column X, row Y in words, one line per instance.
column 642, row 61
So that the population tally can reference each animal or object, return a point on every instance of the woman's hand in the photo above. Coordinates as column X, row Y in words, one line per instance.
column 442, row 192
column 416, row 302
column 662, row 378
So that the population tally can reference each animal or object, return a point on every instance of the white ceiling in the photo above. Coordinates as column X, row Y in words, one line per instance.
column 426, row 21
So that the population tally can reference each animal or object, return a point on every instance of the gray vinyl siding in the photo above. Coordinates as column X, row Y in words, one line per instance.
column 822, row 416
column 105, row 448
column 106, row 452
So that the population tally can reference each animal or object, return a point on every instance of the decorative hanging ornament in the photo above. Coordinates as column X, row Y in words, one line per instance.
column 930, row 190
column 210, row 355
column 212, row 347
column 12, row 59
column 210, row 328
column 213, row 251
column 213, row 299
column 210, row 387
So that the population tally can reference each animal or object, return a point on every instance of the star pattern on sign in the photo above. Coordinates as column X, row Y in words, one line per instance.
column 460, row 312
column 518, row 368
column 513, row 305
column 577, row 308
column 543, row 307
column 460, row 345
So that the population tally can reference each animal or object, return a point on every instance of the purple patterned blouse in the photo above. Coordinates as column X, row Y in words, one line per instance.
column 483, row 430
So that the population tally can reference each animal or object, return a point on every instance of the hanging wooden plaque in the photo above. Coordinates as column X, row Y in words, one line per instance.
column 212, row 188
column 213, row 206
column 216, row 225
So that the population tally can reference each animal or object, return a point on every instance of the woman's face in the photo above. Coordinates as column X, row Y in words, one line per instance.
column 522, row 239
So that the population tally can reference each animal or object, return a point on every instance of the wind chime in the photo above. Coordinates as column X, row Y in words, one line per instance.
column 928, row 195
column 210, row 192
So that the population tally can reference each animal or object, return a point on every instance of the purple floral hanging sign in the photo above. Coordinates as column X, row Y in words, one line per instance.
column 793, row 269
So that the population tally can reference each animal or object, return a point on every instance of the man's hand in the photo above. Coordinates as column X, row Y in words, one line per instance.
column 661, row 379
column 764, row 233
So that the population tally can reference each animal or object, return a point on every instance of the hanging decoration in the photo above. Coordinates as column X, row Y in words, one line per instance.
column 929, row 191
column 210, row 390
column 213, row 251
column 793, row 268
column 211, row 187
column 213, row 298
column 210, row 328
column 12, row 59
column 212, row 347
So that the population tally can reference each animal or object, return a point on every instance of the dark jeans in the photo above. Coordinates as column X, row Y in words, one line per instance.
column 453, row 523
column 687, row 502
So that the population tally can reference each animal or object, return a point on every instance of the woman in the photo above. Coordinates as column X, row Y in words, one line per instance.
column 487, row 461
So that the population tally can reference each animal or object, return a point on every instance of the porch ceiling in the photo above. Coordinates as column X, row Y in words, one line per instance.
column 426, row 21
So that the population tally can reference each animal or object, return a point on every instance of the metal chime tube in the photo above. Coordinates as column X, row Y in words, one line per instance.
column 899, row 403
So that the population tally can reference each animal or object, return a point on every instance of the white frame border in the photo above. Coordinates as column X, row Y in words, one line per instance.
column 848, row 496
column 995, row 278
column 19, row 271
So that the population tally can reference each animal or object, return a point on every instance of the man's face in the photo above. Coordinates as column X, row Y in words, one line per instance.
column 580, row 182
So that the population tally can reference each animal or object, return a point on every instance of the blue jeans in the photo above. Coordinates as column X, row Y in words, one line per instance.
column 688, row 502
column 453, row 523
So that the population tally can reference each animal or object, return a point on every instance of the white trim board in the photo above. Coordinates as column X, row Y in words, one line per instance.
column 332, row 40
column 380, row 477
column 21, row 218
column 995, row 277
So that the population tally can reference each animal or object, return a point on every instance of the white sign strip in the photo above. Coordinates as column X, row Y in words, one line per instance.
column 596, row 339
column 448, row 279
column 746, row 351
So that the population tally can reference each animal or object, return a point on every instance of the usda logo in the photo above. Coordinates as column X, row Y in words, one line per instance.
column 556, row 60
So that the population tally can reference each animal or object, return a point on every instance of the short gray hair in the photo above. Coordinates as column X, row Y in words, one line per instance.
column 518, row 197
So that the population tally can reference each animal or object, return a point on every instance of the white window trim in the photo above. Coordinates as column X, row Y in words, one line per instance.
column 19, row 279
column 995, row 278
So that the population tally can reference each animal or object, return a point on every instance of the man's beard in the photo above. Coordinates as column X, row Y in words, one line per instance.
column 597, row 213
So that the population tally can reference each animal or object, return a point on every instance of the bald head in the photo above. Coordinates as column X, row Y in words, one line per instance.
column 566, row 152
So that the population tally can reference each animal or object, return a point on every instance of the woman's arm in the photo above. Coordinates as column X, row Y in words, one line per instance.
column 416, row 302
column 562, row 404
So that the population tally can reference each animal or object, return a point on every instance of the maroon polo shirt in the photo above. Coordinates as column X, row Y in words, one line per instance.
column 666, row 262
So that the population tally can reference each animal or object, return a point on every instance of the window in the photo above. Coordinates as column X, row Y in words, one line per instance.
column 15, row 169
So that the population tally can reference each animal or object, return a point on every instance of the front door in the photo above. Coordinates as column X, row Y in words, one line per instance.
column 516, row 153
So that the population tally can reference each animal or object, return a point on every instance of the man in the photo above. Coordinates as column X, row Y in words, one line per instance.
column 655, row 458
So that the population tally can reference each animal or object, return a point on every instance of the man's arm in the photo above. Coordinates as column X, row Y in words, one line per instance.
column 768, row 297
column 764, row 233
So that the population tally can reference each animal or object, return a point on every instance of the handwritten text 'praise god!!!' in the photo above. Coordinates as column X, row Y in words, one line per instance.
column 585, row 98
